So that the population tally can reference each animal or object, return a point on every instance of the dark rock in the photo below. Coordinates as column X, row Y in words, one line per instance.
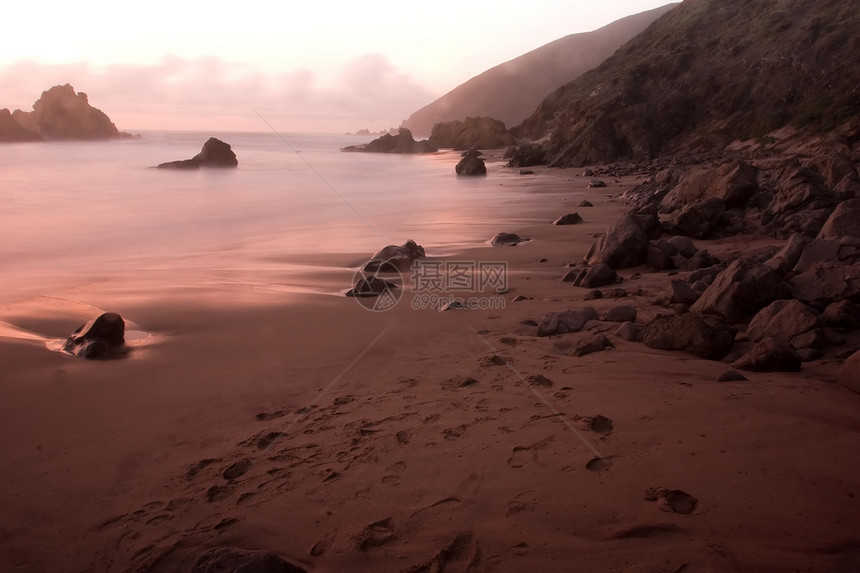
column 526, row 172
column 569, row 219
column 657, row 255
column 706, row 336
column 733, row 183
column 630, row 331
column 683, row 245
column 810, row 339
column 741, row 290
column 841, row 314
column 622, row 313
column 593, row 295
column 849, row 373
column 234, row 560
column 701, row 260
column 782, row 319
column 101, row 338
column 770, row 355
column 817, row 251
column 594, row 343
column 624, row 245
column 63, row 114
column 827, row 282
column 571, row 275
column 473, row 132
column 801, row 204
column 525, row 156
column 700, row 219
column 11, row 130
column 681, row 292
column 596, row 183
column 584, row 203
column 394, row 258
column 596, row 276
column 843, row 222
column 787, row 257
column 566, row 321
column 215, row 153
column 371, row 286
column 614, row 293
column 403, row 142
column 507, row 240
column 731, row 376
column 471, row 164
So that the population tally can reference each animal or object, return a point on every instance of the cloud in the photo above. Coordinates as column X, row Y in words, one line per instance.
column 210, row 93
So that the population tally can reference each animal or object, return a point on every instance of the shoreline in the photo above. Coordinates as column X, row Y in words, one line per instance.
column 344, row 439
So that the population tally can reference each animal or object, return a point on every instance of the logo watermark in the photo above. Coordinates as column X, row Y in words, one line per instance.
column 435, row 285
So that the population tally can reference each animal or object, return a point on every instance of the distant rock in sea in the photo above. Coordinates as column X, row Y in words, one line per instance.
column 215, row 153
column 403, row 142
column 471, row 164
column 63, row 114
column 11, row 130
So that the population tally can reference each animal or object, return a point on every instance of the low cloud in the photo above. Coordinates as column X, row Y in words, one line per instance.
column 212, row 94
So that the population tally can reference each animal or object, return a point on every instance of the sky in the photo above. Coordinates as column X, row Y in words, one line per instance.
column 311, row 66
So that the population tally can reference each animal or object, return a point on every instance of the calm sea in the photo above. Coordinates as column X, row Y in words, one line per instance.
column 74, row 212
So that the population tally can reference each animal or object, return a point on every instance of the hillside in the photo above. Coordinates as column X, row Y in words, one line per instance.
column 512, row 90
column 707, row 73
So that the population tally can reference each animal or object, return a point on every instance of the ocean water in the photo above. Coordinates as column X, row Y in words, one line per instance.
column 72, row 212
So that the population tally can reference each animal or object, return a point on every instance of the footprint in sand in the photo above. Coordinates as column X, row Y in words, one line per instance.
column 218, row 493
column 197, row 466
column 523, row 454
column 673, row 500
column 343, row 400
column 599, row 464
column 403, row 437
column 598, row 424
column 376, row 534
column 266, row 416
column 323, row 544
column 454, row 433
column 237, row 470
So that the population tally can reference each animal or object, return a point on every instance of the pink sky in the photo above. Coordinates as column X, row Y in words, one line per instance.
column 304, row 67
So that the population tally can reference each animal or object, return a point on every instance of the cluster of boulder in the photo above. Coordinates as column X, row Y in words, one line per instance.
column 215, row 153
column 767, row 310
column 403, row 142
column 59, row 114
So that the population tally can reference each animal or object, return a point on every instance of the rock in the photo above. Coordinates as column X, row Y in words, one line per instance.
column 849, row 373
column 403, row 142
column 471, row 164
column 733, row 183
column 569, row 219
column 681, row 293
column 700, row 219
column 371, row 286
column 596, row 183
column 103, row 337
column 507, row 240
column 770, row 355
column 566, row 321
column 787, row 257
column 843, row 222
column 11, row 130
column 841, row 314
column 827, row 282
column 807, row 340
column 624, row 245
column 622, row 313
column 584, row 203
column 394, row 258
column 706, row 336
column 701, row 260
column 525, row 155
column 801, row 204
column 629, row 331
column 817, row 251
column 741, row 290
column 782, row 319
column 571, row 275
column 473, row 132
column 63, row 114
column 614, row 293
column 731, row 376
column 659, row 255
column 526, row 172
column 593, row 295
column 234, row 560
column 594, row 343
column 596, row 276
column 683, row 245
column 215, row 153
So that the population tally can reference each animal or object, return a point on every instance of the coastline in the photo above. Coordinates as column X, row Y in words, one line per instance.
column 389, row 457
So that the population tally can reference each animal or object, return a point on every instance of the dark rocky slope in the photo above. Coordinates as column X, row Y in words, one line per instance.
column 705, row 74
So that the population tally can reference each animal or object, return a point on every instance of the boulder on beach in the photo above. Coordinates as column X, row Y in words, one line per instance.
column 566, row 321
column 393, row 258
column 527, row 155
column 624, row 245
column 706, row 336
column 843, row 222
column 215, row 153
column 507, row 240
column 100, row 338
column 569, row 219
column 783, row 319
column 371, row 286
column 700, row 219
column 742, row 289
column 471, row 164
column 770, row 355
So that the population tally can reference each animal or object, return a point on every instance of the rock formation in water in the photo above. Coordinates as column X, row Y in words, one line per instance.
column 63, row 114
column 473, row 132
column 403, row 142
column 471, row 164
column 11, row 130
column 215, row 153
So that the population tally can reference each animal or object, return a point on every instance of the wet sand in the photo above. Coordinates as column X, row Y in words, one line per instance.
column 263, row 416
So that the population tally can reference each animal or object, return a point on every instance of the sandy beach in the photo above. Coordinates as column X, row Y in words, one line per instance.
column 341, row 439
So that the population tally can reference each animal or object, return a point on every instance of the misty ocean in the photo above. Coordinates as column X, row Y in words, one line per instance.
column 72, row 212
